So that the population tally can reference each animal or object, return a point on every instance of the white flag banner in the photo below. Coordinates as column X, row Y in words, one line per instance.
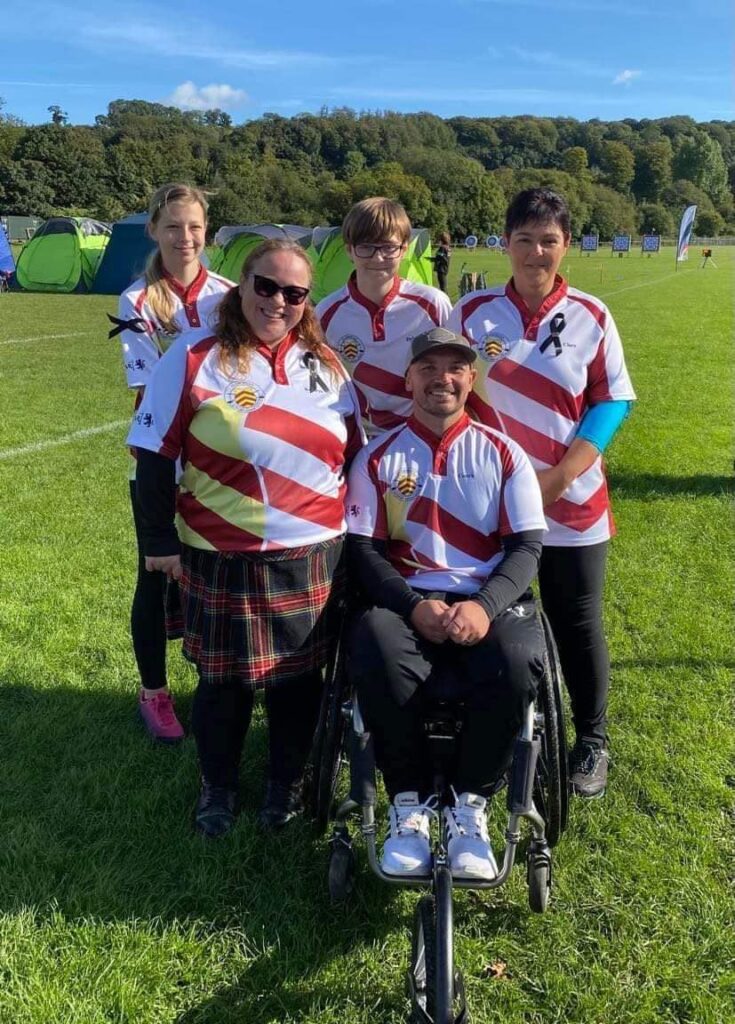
column 685, row 233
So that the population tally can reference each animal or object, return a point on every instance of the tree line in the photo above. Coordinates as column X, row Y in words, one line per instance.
column 453, row 174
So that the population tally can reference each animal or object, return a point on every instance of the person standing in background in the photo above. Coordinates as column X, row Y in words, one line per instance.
column 440, row 259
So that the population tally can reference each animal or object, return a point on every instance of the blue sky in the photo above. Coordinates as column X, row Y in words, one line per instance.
column 579, row 58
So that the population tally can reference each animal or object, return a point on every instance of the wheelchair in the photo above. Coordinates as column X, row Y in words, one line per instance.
column 537, row 790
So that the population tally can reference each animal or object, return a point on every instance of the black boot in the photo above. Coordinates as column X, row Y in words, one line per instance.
column 215, row 811
column 281, row 804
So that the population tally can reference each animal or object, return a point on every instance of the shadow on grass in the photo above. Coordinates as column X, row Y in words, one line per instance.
column 661, row 664
column 652, row 486
column 96, row 827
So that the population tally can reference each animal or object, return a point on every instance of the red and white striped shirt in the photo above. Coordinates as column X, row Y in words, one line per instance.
column 144, row 341
column 443, row 503
column 536, row 377
column 374, row 343
column 263, row 449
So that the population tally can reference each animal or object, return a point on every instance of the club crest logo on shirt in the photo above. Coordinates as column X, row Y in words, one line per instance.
column 244, row 395
column 493, row 346
column 350, row 348
column 406, row 485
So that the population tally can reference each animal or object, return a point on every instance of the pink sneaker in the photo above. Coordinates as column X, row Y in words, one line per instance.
column 160, row 718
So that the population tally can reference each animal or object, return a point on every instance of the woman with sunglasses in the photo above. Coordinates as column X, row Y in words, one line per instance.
column 175, row 296
column 264, row 419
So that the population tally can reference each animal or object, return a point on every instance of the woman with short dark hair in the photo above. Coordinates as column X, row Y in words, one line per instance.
column 552, row 375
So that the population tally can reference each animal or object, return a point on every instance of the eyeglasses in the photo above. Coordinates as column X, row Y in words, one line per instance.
column 266, row 287
column 387, row 249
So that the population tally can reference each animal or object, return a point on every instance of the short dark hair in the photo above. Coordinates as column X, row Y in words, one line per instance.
column 539, row 206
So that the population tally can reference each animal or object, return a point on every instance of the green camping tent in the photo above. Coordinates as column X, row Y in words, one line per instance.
column 237, row 242
column 63, row 255
column 332, row 265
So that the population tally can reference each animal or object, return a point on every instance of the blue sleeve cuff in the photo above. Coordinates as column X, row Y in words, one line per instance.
column 601, row 422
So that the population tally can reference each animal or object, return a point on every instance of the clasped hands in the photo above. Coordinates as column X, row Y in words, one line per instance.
column 465, row 622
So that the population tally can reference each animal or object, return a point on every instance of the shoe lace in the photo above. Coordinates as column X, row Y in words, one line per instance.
column 412, row 820
column 584, row 760
column 467, row 821
column 164, row 707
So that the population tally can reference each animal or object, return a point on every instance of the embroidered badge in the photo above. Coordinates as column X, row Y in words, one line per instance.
column 493, row 346
column 350, row 348
column 406, row 485
column 244, row 395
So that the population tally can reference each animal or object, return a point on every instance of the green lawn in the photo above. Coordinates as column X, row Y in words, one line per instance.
column 111, row 910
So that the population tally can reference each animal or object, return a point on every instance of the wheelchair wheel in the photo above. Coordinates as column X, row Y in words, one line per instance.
column 422, row 975
column 327, row 751
column 434, row 987
column 551, row 786
column 341, row 878
column 538, row 875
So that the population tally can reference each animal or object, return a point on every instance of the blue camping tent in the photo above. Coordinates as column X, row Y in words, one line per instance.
column 125, row 255
column 7, row 263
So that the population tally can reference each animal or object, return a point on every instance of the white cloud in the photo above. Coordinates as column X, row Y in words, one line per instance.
column 626, row 77
column 209, row 97
column 194, row 40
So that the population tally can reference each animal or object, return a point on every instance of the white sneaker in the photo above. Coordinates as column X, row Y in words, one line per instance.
column 468, row 846
column 407, row 850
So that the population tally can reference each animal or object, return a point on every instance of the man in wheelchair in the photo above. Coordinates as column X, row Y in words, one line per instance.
column 445, row 527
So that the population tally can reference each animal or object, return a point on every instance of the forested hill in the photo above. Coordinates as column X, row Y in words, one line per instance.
column 451, row 174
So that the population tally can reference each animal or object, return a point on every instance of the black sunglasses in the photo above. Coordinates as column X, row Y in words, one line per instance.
column 266, row 287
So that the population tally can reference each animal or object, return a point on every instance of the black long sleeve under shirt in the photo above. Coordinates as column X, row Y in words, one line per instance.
column 155, row 492
column 383, row 585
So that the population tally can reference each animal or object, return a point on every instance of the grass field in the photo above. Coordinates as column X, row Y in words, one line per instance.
column 111, row 910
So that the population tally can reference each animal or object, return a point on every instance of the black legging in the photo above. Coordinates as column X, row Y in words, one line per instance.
column 220, row 719
column 148, row 615
column 571, row 582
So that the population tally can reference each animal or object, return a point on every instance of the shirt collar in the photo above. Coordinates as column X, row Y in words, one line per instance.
column 187, row 294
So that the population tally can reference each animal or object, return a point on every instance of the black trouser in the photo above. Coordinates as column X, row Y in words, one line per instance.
column 441, row 276
column 571, row 582
column 398, row 676
column 148, row 615
column 221, row 715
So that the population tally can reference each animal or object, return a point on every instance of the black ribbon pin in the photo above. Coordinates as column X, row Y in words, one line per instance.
column 311, row 362
column 558, row 323
column 137, row 325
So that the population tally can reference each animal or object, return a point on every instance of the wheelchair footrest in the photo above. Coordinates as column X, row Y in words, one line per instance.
column 520, row 788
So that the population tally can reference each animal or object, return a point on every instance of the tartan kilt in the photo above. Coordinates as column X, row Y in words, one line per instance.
column 260, row 617
column 173, row 611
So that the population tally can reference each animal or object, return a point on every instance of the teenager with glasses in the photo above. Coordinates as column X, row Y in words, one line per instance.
column 264, row 419
column 552, row 375
column 175, row 297
column 371, row 320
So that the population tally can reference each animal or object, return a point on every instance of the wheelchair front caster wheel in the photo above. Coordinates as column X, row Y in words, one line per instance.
column 539, row 879
column 341, row 878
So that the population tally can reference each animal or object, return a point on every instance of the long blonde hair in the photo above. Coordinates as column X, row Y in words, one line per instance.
column 236, row 336
column 158, row 293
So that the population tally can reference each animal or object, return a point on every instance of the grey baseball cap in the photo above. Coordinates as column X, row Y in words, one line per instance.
column 440, row 337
